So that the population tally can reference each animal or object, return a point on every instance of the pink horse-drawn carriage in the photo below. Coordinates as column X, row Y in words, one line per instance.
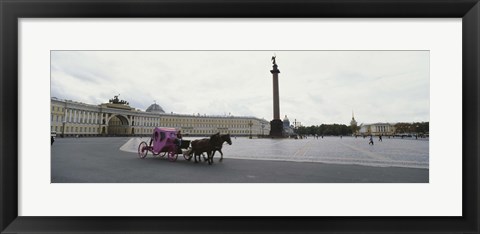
column 164, row 141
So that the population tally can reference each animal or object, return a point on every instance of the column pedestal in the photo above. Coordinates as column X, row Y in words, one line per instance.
column 276, row 128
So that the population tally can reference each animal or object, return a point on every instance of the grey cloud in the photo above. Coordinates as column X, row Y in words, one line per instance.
column 315, row 86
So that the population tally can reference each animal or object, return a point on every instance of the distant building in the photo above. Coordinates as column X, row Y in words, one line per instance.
column 353, row 125
column 287, row 128
column 71, row 118
column 377, row 129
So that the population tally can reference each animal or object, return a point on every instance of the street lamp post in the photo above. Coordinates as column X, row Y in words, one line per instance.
column 263, row 126
column 64, row 122
column 63, row 128
column 250, row 124
column 416, row 132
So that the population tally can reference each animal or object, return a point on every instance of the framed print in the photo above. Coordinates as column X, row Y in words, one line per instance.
column 374, row 128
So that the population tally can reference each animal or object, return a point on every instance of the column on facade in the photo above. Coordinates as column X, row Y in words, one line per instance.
column 65, row 115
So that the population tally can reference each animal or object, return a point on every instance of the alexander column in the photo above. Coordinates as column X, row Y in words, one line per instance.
column 276, row 125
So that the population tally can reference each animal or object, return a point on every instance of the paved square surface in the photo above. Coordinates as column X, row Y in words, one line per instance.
column 327, row 160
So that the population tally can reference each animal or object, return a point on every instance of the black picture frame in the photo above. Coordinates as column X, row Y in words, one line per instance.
column 11, row 11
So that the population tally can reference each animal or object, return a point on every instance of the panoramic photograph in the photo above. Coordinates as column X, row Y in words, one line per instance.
column 240, row 116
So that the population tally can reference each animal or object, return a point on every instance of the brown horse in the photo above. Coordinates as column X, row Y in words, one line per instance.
column 206, row 145
column 222, row 138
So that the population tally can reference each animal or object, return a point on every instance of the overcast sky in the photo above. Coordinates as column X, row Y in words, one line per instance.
column 315, row 87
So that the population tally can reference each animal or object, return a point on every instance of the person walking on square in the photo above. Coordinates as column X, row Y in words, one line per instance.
column 371, row 140
column 380, row 138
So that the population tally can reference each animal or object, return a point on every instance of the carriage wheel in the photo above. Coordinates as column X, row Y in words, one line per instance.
column 172, row 154
column 142, row 149
column 187, row 156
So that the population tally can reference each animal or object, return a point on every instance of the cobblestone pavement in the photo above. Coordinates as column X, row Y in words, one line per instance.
column 393, row 152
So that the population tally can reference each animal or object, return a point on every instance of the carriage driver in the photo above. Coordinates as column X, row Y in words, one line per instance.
column 179, row 138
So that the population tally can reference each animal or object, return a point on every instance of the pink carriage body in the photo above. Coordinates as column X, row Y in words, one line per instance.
column 163, row 139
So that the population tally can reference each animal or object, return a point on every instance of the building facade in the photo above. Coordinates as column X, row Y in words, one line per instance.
column 377, row 129
column 117, row 118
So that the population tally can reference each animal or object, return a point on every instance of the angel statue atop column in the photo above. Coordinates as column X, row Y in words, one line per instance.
column 273, row 59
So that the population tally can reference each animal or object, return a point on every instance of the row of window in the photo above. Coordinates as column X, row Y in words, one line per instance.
column 69, row 129
column 91, row 117
column 382, row 129
column 57, row 108
column 206, row 120
column 75, row 119
column 59, row 129
column 204, row 125
column 58, row 119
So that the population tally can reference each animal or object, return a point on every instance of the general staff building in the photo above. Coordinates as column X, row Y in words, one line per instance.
column 117, row 118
